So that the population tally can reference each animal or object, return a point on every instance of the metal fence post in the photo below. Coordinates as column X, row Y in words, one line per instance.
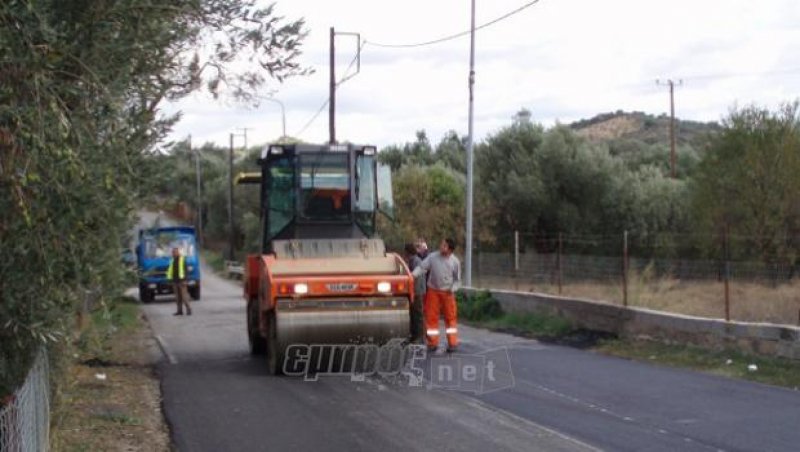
column 727, row 273
column 625, row 268
column 559, row 258
column 516, row 260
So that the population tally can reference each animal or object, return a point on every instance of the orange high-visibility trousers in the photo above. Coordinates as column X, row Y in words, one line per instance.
column 436, row 302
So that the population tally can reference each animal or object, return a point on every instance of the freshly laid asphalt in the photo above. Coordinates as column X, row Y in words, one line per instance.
column 536, row 397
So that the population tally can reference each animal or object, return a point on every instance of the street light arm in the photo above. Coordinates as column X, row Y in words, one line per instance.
column 283, row 113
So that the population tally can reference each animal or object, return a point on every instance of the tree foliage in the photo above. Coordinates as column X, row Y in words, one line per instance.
column 81, row 85
column 747, row 182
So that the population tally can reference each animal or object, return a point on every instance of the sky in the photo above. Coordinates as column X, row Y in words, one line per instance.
column 563, row 60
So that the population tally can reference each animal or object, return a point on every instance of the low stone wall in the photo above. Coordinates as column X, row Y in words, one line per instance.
column 762, row 338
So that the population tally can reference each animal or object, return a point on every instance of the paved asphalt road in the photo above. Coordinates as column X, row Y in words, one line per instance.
column 218, row 398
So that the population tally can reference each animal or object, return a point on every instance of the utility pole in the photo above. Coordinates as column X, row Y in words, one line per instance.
column 231, row 234
column 672, row 156
column 199, row 211
column 333, row 84
column 244, row 133
column 332, row 88
column 470, row 150
column 231, row 230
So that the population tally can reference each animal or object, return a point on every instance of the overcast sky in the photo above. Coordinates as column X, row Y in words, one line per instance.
column 563, row 60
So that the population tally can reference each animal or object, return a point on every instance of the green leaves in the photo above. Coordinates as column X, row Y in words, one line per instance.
column 82, row 83
column 748, row 182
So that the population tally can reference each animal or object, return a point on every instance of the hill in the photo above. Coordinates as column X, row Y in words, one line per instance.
column 648, row 129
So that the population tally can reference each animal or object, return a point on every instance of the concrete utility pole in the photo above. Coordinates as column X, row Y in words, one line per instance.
column 332, row 88
column 672, row 156
column 231, row 234
column 470, row 149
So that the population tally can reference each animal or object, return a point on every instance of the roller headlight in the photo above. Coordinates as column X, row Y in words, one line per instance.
column 301, row 288
column 384, row 287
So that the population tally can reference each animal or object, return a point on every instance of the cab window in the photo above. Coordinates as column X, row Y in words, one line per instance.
column 324, row 187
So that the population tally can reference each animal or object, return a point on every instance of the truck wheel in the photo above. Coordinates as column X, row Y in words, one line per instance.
column 194, row 292
column 145, row 294
column 275, row 354
column 258, row 345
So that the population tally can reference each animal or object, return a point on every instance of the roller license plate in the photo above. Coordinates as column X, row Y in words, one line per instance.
column 341, row 287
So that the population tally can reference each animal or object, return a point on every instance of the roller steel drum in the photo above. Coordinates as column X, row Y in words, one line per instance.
column 341, row 321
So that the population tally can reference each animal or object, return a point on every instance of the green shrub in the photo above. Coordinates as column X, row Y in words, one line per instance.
column 479, row 306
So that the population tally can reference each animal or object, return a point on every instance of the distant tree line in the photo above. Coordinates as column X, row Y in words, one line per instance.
column 737, row 178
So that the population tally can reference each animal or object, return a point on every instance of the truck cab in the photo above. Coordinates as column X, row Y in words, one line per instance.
column 153, row 255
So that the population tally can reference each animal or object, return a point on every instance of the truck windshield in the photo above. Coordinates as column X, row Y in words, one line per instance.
column 161, row 245
column 325, row 186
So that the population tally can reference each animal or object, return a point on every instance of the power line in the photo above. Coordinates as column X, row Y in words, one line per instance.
column 325, row 104
column 457, row 35
column 313, row 118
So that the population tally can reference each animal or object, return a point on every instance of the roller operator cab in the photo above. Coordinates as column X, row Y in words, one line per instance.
column 153, row 255
column 322, row 276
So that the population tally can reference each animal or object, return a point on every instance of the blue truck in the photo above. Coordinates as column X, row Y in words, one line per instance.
column 153, row 255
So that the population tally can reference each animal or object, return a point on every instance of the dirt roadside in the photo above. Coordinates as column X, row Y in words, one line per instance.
column 111, row 400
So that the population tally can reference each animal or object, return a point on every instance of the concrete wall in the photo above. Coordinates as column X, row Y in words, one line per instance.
column 762, row 338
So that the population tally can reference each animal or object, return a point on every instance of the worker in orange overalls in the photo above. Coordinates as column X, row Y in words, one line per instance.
column 444, row 278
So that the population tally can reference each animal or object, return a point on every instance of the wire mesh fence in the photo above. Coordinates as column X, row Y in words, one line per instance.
column 717, row 277
column 25, row 415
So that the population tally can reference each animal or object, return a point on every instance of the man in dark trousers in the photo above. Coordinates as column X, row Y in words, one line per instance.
column 444, row 279
column 176, row 273
column 415, row 310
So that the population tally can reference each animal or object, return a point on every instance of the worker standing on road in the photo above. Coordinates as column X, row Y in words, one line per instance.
column 177, row 274
column 444, row 278
column 415, row 310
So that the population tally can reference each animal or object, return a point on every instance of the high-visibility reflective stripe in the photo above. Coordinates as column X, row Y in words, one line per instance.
column 451, row 330
column 432, row 332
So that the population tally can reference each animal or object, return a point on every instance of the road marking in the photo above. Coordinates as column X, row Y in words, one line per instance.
column 480, row 404
column 163, row 346
column 608, row 412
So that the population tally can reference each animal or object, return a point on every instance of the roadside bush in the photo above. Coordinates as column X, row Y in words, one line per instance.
column 478, row 307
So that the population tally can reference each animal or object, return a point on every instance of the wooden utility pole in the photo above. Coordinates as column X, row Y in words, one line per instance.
column 672, row 156
column 244, row 134
column 199, row 210
column 333, row 83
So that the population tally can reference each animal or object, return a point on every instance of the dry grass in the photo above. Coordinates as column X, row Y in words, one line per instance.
column 727, row 363
column 749, row 301
column 123, row 411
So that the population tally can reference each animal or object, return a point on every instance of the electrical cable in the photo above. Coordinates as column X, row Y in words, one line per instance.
column 456, row 35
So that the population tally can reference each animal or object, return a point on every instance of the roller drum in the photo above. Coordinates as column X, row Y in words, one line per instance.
column 341, row 321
